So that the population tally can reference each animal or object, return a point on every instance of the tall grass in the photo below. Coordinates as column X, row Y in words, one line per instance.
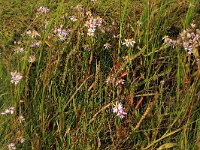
column 64, row 97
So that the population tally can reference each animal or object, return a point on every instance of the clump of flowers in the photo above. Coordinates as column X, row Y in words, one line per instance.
column 8, row 111
column 33, row 34
column 92, row 24
column 119, row 110
column 190, row 38
column 129, row 42
column 62, row 33
column 19, row 50
column 15, row 77
column 35, row 44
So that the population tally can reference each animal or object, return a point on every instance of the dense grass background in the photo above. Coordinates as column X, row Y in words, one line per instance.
column 63, row 96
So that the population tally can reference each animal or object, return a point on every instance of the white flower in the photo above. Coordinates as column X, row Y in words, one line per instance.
column 169, row 41
column 32, row 34
column 19, row 50
column 88, row 13
column 107, row 45
column 121, row 114
column 8, row 111
column 62, row 33
column 139, row 23
column 73, row 18
column 119, row 110
column 117, row 107
column 17, row 42
column 11, row 146
column 79, row 7
column 21, row 118
column 91, row 32
column 15, row 77
column 94, row 1
column 22, row 140
column 120, row 81
column 35, row 44
column 31, row 59
column 43, row 9
column 99, row 21
column 129, row 42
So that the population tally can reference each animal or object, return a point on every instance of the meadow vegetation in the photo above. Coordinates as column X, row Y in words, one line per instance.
column 100, row 74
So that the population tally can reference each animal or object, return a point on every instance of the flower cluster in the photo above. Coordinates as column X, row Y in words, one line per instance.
column 92, row 24
column 62, row 33
column 15, row 77
column 119, row 110
column 35, row 44
column 8, row 111
column 190, row 38
column 33, row 34
column 19, row 50
column 129, row 42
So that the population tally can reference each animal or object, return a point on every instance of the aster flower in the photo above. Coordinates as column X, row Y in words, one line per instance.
column 19, row 50
column 31, row 59
column 43, row 10
column 129, row 42
column 121, row 114
column 73, row 18
column 11, row 146
column 91, row 32
column 88, row 13
column 17, row 42
column 8, row 111
column 99, row 21
column 15, row 77
column 92, row 24
column 118, row 109
column 22, row 140
column 33, row 34
column 35, row 44
column 79, row 7
column 62, row 33
column 169, row 41
column 120, row 81
column 21, row 118
column 107, row 45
